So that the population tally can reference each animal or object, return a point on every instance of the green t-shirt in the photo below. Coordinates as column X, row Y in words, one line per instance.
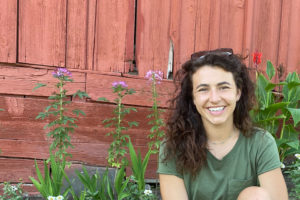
column 225, row 179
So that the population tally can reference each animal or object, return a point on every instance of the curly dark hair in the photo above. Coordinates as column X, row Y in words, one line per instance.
column 185, row 134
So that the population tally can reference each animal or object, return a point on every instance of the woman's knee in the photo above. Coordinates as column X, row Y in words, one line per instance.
column 251, row 193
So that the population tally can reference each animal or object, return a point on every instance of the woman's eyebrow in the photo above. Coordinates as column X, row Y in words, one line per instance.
column 202, row 85
column 219, row 84
column 223, row 83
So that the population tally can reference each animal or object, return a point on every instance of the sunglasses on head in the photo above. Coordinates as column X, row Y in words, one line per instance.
column 198, row 56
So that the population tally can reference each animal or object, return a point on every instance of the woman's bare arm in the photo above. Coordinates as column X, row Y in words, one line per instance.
column 273, row 182
column 172, row 187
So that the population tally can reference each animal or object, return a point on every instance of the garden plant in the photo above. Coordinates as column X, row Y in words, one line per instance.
column 13, row 192
column 50, row 184
column 117, row 149
column 278, row 112
column 156, row 131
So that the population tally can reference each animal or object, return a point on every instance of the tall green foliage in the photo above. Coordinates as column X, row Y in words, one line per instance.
column 62, row 124
column 156, row 121
column 278, row 111
column 50, row 184
column 100, row 187
column 118, row 147
column 138, row 165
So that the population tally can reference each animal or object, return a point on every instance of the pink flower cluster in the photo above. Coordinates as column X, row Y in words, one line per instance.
column 121, row 83
column 60, row 72
column 157, row 75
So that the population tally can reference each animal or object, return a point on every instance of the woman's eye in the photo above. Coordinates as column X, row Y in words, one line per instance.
column 224, row 87
column 202, row 90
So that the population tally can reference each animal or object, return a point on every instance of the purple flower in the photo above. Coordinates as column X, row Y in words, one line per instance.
column 61, row 72
column 157, row 75
column 121, row 83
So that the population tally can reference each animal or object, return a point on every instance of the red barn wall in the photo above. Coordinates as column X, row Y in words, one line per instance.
column 105, row 41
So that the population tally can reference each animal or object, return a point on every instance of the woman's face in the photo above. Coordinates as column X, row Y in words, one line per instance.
column 215, row 95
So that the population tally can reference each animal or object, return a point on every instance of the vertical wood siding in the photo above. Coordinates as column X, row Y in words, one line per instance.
column 112, row 19
column 99, row 35
column 195, row 25
column 8, row 31
column 289, row 44
column 42, row 32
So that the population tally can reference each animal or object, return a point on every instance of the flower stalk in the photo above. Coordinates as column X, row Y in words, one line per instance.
column 118, row 148
column 156, row 132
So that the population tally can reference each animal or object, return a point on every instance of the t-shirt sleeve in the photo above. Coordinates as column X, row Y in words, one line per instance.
column 166, row 166
column 267, row 155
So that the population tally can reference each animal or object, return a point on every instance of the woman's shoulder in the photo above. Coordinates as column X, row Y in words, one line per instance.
column 260, row 136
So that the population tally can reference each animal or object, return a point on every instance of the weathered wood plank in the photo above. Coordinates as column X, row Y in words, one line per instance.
column 289, row 45
column 91, row 18
column 202, row 25
column 174, row 34
column 152, row 36
column 101, row 86
column 20, row 129
column 187, row 31
column 92, row 153
column 231, row 25
column 18, row 121
column 263, row 28
column 129, row 45
column 77, row 34
column 112, row 18
column 14, row 169
column 21, row 81
column 42, row 32
column 8, row 31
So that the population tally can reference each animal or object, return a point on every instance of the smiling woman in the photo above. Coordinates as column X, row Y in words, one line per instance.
column 211, row 150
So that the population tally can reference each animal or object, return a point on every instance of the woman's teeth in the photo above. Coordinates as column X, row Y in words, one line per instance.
column 216, row 109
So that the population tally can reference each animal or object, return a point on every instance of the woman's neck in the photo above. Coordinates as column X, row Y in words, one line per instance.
column 219, row 133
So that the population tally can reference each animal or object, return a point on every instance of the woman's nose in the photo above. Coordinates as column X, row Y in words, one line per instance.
column 214, row 96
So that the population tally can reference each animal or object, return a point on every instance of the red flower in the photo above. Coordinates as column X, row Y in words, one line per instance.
column 257, row 57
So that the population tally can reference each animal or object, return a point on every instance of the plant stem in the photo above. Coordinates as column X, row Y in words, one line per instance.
column 282, row 130
column 118, row 130
column 61, row 112
column 155, row 101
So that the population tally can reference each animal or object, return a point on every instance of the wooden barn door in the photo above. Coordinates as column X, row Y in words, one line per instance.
column 82, row 34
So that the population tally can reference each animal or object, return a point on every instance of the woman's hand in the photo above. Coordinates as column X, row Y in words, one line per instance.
column 172, row 187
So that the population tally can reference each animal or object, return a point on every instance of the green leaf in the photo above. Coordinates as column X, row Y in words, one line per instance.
column 294, row 144
column 270, row 86
column 131, row 91
column 291, row 93
column 261, row 92
column 130, row 124
column 103, row 99
column 41, row 115
column 38, row 85
column 295, row 112
column 109, row 189
column 270, row 70
column 282, row 116
column 119, row 179
column 134, row 159
column 77, row 112
column 276, row 106
column 293, row 84
column 80, row 94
